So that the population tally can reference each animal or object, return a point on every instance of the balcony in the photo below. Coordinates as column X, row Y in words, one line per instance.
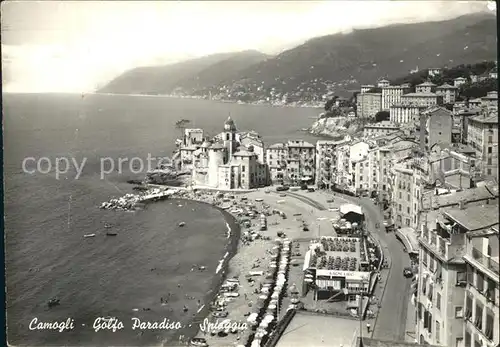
column 483, row 259
column 436, row 243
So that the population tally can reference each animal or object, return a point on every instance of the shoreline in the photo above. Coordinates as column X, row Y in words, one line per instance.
column 231, row 249
column 237, row 102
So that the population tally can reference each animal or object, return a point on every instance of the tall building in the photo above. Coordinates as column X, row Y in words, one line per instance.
column 481, row 305
column 442, row 277
column 422, row 99
column 276, row 157
column 435, row 127
column 392, row 95
column 368, row 104
column 405, row 113
column 482, row 135
column 426, row 87
column 301, row 162
column 326, row 162
column 380, row 128
column 448, row 92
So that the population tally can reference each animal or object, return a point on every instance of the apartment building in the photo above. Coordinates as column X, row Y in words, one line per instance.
column 383, row 83
column 343, row 177
column 368, row 104
column 301, row 162
column 326, row 162
column 443, row 272
column 490, row 101
column 481, row 305
column 448, row 92
column 461, row 122
column 426, row 87
column 422, row 99
column 482, row 135
column 402, row 200
column 381, row 128
column 457, row 82
column 435, row 127
column 276, row 158
column 403, row 114
column 393, row 95
column 366, row 87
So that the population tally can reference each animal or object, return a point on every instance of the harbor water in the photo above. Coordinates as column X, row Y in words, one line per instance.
column 151, row 257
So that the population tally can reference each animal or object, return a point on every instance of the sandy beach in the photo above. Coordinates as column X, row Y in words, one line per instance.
column 254, row 255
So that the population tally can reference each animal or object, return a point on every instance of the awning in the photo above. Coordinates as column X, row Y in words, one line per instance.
column 407, row 236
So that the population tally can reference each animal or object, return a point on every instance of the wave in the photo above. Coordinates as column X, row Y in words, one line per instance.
column 221, row 263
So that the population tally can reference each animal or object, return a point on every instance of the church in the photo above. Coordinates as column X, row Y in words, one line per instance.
column 231, row 160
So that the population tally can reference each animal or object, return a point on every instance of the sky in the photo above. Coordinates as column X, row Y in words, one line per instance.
column 66, row 46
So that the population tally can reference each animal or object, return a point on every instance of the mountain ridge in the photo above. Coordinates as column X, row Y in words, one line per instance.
column 339, row 62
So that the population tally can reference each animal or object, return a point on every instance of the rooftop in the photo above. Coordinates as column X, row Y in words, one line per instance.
column 429, row 200
column 299, row 143
column 383, row 124
column 490, row 119
column 426, row 84
column 243, row 153
column 277, row 146
column 346, row 208
column 420, row 94
column 475, row 217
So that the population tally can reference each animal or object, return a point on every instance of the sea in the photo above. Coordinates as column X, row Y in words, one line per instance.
column 125, row 276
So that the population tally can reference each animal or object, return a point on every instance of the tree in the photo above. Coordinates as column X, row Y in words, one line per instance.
column 381, row 116
column 478, row 89
column 329, row 104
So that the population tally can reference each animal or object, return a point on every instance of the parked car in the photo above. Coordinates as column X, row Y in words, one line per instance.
column 407, row 272
column 199, row 342
column 303, row 187
column 282, row 188
column 310, row 190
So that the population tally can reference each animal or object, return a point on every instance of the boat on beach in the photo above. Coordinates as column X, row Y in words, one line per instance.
column 181, row 224
column 111, row 233
column 88, row 235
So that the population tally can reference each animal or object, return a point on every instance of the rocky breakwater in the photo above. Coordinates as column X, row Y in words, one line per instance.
column 335, row 127
column 130, row 202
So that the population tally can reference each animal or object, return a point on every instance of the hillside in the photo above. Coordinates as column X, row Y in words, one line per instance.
column 190, row 74
column 340, row 63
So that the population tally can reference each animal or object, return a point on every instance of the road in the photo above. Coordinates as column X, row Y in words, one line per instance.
column 391, row 319
column 390, row 323
column 305, row 199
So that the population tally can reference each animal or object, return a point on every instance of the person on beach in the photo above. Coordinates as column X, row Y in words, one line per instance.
column 368, row 327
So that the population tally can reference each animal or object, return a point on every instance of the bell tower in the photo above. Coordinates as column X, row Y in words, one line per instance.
column 229, row 136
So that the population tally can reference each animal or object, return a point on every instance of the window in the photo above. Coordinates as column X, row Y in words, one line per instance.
column 431, row 292
column 243, row 169
column 468, row 306
column 430, row 322
column 461, row 277
column 400, row 195
column 480, row 281
column 438, row 331
column 470, row 275
column 399, row 207
column 407, row 209
column 459, row 312
column 468, row 339
column 438, row 301
column 478, row 318
column 489, row 324
column 490, row 290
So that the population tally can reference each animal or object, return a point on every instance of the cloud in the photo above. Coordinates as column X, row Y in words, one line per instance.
column 78, row 46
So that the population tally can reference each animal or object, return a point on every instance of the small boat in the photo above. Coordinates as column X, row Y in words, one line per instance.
column 53, row 302
column 111, row 233
column 107, row 226
column 88, row 235
column 181, row 224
